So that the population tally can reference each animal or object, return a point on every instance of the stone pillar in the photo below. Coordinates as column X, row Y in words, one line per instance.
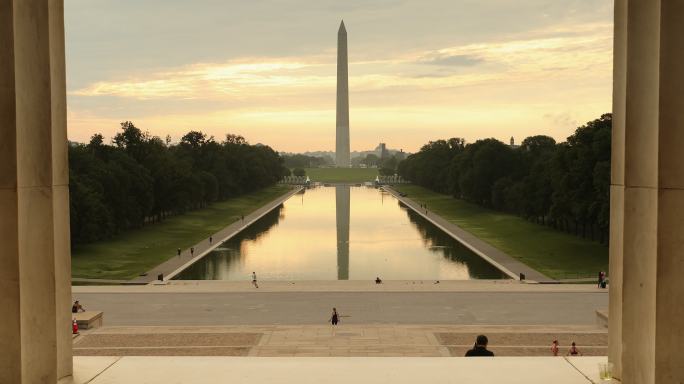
column 60, row 189
column 34, row 215
column 10, row 322
column 648, row 232
column 669, row 289
column 617, row 187
column 641, row 195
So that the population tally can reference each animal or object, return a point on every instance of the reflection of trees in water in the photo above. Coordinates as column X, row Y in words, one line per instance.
column 257, row 229
column 438, row 241
column 230, row 252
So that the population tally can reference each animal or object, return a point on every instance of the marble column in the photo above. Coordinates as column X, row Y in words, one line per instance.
column 647, row 234
column 617, row 186
column 34, row 216
column 60, row 189
column 669, row 289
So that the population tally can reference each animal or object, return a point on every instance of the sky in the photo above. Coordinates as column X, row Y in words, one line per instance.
column 419, row 70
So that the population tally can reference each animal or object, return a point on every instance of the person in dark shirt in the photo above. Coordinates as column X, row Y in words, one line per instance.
column 573, row 350
column 77, row 307
column 480, row 347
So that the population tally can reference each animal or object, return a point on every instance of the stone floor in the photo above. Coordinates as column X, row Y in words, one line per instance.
column 322, row 341
column 479, row 303
column 341, row 370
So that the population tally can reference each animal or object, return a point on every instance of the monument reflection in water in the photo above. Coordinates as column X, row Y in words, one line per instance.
column 341, row 233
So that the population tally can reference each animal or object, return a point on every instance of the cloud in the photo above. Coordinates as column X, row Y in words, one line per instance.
column 518, row 60
column 210, row 80
column 519, row 83
column 452, row 60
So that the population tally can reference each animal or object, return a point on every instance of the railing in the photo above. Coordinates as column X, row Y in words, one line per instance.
column 294, row 180
column 394, row 179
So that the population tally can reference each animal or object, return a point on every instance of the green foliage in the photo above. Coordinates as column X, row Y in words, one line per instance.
column 431, row 167
column 299, row 172
column 384, row 171
column 304, row 161
column 563, row 185
column 390, row 163
column 371, row 160
column 142, row 179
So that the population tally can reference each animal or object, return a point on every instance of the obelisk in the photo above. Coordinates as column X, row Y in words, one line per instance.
column 342, row 121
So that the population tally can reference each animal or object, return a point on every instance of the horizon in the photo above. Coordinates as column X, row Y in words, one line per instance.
column 266, row 70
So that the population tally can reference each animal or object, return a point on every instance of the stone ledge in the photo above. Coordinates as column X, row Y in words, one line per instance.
column 335, row 370
column 88, row 319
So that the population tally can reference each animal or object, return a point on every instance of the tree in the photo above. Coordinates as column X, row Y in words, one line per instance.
column 299, row 172
column 564, row 185
column 431, row 167
column 371, row 160
column 143, row 179
column 384, row 171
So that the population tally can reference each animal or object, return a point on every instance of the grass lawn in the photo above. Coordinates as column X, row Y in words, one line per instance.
column 136, row 251
column 556, row 254
column 342, row 175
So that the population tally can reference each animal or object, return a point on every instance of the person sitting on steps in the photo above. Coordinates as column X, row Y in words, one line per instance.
column 480, row 348
column 77, row 307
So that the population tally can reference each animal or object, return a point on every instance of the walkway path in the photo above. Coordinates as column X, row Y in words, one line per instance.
column 496, row 257
column 345, row 340
column 175, row 264
column 303, row 308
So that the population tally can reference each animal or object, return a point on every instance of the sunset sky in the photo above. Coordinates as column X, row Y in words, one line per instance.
column 265, row 69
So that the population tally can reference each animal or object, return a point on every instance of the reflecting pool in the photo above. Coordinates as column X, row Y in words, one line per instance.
column 341, row 233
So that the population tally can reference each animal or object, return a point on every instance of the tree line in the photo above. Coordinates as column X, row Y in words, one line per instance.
column 305, row 161
column 140, row 178
column 564, row 185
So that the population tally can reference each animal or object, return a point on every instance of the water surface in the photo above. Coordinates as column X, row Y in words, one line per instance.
column 341, row 233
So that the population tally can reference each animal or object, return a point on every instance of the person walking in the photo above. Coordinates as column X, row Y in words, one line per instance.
column 210, row 240
column 335, row 317
column 178, row 251
column 254, row 280
column 334, row 320
column 192, row 251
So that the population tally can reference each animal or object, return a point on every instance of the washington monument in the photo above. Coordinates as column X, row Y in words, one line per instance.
column 342, row 120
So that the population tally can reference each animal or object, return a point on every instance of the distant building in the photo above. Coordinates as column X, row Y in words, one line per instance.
column 512, row 143
column 381, row 151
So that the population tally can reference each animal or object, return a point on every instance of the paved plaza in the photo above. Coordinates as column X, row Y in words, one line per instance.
column 158, row 306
